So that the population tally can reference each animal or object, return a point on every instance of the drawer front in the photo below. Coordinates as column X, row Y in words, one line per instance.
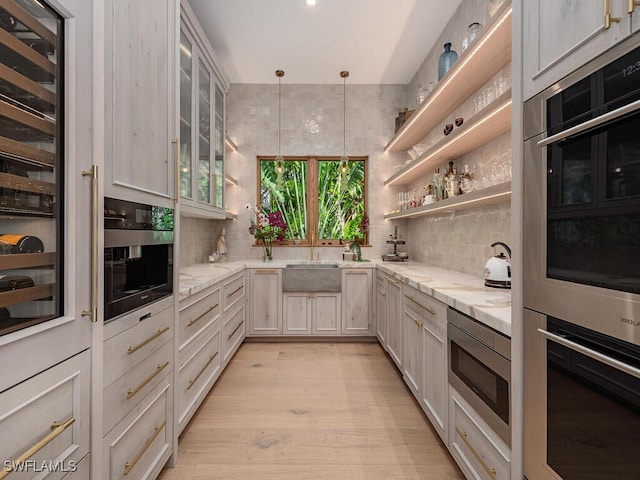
column 199, row 367
column 233, row 292
column 79, row 471
column 50, row 410
column 128, row 390
column 233, row 334
column 140, row 445
column 381, row 282
column 472, row 446
column 120, row 324
column 125, row 350
column 433, row 311
column 197, row 316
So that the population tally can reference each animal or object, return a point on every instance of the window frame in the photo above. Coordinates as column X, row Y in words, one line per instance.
column 312, row 196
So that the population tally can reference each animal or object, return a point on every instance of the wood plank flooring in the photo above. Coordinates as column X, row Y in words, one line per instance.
column 311, row 411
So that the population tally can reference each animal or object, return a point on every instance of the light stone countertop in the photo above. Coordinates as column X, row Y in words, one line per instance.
column 464, row 292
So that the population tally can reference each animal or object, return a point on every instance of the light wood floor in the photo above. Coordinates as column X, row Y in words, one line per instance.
column 311, row 411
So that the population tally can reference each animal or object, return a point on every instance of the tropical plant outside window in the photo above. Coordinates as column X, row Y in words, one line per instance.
column 317, row 201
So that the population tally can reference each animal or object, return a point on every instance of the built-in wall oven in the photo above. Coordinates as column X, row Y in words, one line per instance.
column 582, row 272
column 138, row 255
column 480, row 369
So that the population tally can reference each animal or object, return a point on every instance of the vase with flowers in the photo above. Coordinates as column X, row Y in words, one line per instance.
column 267, row 228
column 358, row 237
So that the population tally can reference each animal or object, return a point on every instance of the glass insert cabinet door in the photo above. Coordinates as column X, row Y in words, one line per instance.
column 31, row 164
column 201, row 129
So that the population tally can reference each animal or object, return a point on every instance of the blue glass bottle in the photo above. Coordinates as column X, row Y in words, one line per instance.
column 446, row 60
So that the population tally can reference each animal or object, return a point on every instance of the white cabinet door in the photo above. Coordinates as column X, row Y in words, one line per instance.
column 381, row 309
column 413, row 350
column 395, row 336
column 356, row 301
column 635, row 19
column 141, row 48
column 562, row 35
column 325, row 313
column 434, row 381
column 297, row 313
column 266, row 301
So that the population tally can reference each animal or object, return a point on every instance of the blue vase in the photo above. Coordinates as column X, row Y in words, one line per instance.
column 446, row 60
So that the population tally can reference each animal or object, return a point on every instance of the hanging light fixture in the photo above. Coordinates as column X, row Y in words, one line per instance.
column 279, row 159
column 344, row 160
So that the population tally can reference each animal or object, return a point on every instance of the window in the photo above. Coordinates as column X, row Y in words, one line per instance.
column 320, row 203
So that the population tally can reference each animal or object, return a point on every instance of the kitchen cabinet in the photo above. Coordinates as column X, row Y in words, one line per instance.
column 139, row 75
column 552, row 51
column 265, row 301
column 316, row 313
column 381, row 308
column 395, row 326
column 201, row 120
column 478, row 451
column 234, row 315
column 357, row 289
column 413, row 346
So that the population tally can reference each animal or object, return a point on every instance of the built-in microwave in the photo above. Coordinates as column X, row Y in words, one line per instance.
column 138, row 255
column 582, row 196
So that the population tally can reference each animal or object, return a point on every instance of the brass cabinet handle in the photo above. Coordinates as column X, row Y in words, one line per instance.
column 235, row 330
column 160, row 331
column 58, row 427
column 132, row 391
column 266, row 270
column 490, row 471
column 201, row 316
column 395, row 282
column 235, row 291
column 607, row 15
column 194, row 380
column 631, row 6
column 95, row 258
column 419, row 323
column 428, row 309
column 129, row 465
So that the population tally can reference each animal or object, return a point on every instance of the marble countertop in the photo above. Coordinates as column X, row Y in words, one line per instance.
column 461, row 291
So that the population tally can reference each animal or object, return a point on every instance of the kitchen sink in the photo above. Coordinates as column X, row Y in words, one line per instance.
column 311, row 277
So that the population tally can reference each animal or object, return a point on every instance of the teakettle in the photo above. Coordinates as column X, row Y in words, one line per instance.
column 497, row 271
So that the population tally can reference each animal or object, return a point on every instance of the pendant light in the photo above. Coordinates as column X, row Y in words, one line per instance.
column 344, row 160
column 279, row 159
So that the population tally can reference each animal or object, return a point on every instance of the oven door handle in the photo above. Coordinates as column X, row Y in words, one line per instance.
column 594, row 122
column 612, row 362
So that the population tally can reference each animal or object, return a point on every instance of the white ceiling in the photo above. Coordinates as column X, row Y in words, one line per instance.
column 378, row 41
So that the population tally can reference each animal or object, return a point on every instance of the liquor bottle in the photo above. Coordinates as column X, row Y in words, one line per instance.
column 15, row 282
column 16, row 243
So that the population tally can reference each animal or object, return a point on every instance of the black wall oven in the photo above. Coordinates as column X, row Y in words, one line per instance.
column 138, row 255
column 582, row 272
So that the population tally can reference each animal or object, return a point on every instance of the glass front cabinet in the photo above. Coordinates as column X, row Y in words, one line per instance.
column 201, row 155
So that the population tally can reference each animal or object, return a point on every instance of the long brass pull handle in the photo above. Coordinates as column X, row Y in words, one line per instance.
column 95, row 258
column 235, row 291
column 607, row 15
column 394, row 282
column 58, row 427
column 160, row 331
column 129, row 465
column 490, row 471
column 201, row 316
column 176, row 155
column 632, row 6
column 266, row 270
column 132, row 391
column 235, row 330
column 428, row 309
column 194, row 380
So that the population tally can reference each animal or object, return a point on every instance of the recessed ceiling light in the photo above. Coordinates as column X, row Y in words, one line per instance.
column 311, row 3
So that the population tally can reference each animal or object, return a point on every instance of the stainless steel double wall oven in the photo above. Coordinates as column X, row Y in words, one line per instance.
column 582, row 272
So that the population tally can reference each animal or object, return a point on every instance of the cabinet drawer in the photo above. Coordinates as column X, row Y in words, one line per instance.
column 128, row 390
column 140, row 444
column 125, row 350
column 433, row 311
column 197, row 316
column 50, row 410
column 79, row 471
column 233, row 333
column 233, row 291
column 381, row 282
column 199, row 367
column 472, row 445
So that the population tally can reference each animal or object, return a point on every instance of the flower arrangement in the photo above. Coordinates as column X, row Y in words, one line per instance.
column 267, row 228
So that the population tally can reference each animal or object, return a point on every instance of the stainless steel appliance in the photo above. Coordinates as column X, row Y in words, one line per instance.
column 480, row 370
column 138, row 255
column 582, row 272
